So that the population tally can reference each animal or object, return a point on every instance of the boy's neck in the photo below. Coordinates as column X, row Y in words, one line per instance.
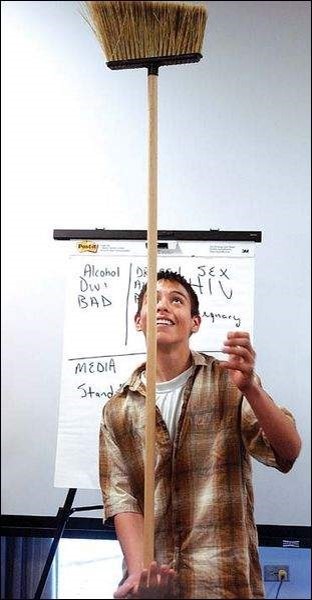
column 172, row 363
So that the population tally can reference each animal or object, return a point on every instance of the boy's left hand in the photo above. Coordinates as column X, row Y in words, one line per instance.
column 241, row 360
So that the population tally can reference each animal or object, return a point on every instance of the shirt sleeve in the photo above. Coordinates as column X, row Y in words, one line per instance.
column 118, row 497
column 256, row 442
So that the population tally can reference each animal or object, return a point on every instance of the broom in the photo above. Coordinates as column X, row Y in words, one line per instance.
column 134, row 35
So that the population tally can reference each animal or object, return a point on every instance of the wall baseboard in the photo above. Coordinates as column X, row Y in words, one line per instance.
column 290, row 536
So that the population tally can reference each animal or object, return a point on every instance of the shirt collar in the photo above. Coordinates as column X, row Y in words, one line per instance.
column 134, row 383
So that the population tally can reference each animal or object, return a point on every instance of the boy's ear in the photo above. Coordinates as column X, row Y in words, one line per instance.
column 137, row 321
column 196, row 323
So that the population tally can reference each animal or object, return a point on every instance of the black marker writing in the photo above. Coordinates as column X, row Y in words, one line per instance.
column 228, row 294
column 85, row 286
column 138, row 284
column 96, row 367
column 208, row 277
column 216, row 316
column 88, row 392
column 93, row 301
column 91, row 271
column 141, row 272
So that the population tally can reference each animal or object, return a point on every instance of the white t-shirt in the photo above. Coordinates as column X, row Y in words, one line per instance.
column 169, row 396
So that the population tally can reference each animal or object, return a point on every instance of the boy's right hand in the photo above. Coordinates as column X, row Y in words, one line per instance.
column 155, row 582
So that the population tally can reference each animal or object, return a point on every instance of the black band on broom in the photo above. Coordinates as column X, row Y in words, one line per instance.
column 136, row 34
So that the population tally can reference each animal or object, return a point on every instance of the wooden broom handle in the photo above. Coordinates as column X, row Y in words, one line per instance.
column 149, row 480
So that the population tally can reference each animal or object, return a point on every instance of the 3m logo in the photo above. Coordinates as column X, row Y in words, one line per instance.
column 245, row 250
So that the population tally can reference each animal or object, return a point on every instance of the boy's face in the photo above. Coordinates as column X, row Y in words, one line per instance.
column 174, row 323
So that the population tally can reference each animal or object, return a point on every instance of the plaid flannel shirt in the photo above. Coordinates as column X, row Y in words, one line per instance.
column 204, row 522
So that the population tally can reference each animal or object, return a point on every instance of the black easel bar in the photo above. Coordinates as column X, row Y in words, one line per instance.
column 141, row 234
column 81, row 508
column 63, row 516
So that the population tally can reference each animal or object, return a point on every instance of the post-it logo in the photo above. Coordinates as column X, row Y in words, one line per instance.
column 87, row 246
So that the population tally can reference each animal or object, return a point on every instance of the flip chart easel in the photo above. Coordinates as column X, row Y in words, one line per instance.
column 164, row 239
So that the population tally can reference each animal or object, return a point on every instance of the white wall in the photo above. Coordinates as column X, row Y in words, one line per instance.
column 234, row 153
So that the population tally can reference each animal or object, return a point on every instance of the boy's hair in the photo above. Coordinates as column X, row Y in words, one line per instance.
column 172, row 276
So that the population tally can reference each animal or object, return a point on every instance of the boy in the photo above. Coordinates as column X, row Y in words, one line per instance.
column 211, row 416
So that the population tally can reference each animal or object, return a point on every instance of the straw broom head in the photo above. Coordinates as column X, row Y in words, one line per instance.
column 134, row 30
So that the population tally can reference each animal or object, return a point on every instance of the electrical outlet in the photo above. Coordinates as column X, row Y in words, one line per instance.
column 271, row 572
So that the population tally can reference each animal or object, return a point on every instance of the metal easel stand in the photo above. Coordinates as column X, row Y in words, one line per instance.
column 62, row 516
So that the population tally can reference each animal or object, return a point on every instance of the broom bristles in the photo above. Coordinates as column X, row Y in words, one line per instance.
column 133, row 29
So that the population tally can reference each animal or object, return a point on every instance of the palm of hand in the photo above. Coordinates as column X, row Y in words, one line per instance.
column 155, row 582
